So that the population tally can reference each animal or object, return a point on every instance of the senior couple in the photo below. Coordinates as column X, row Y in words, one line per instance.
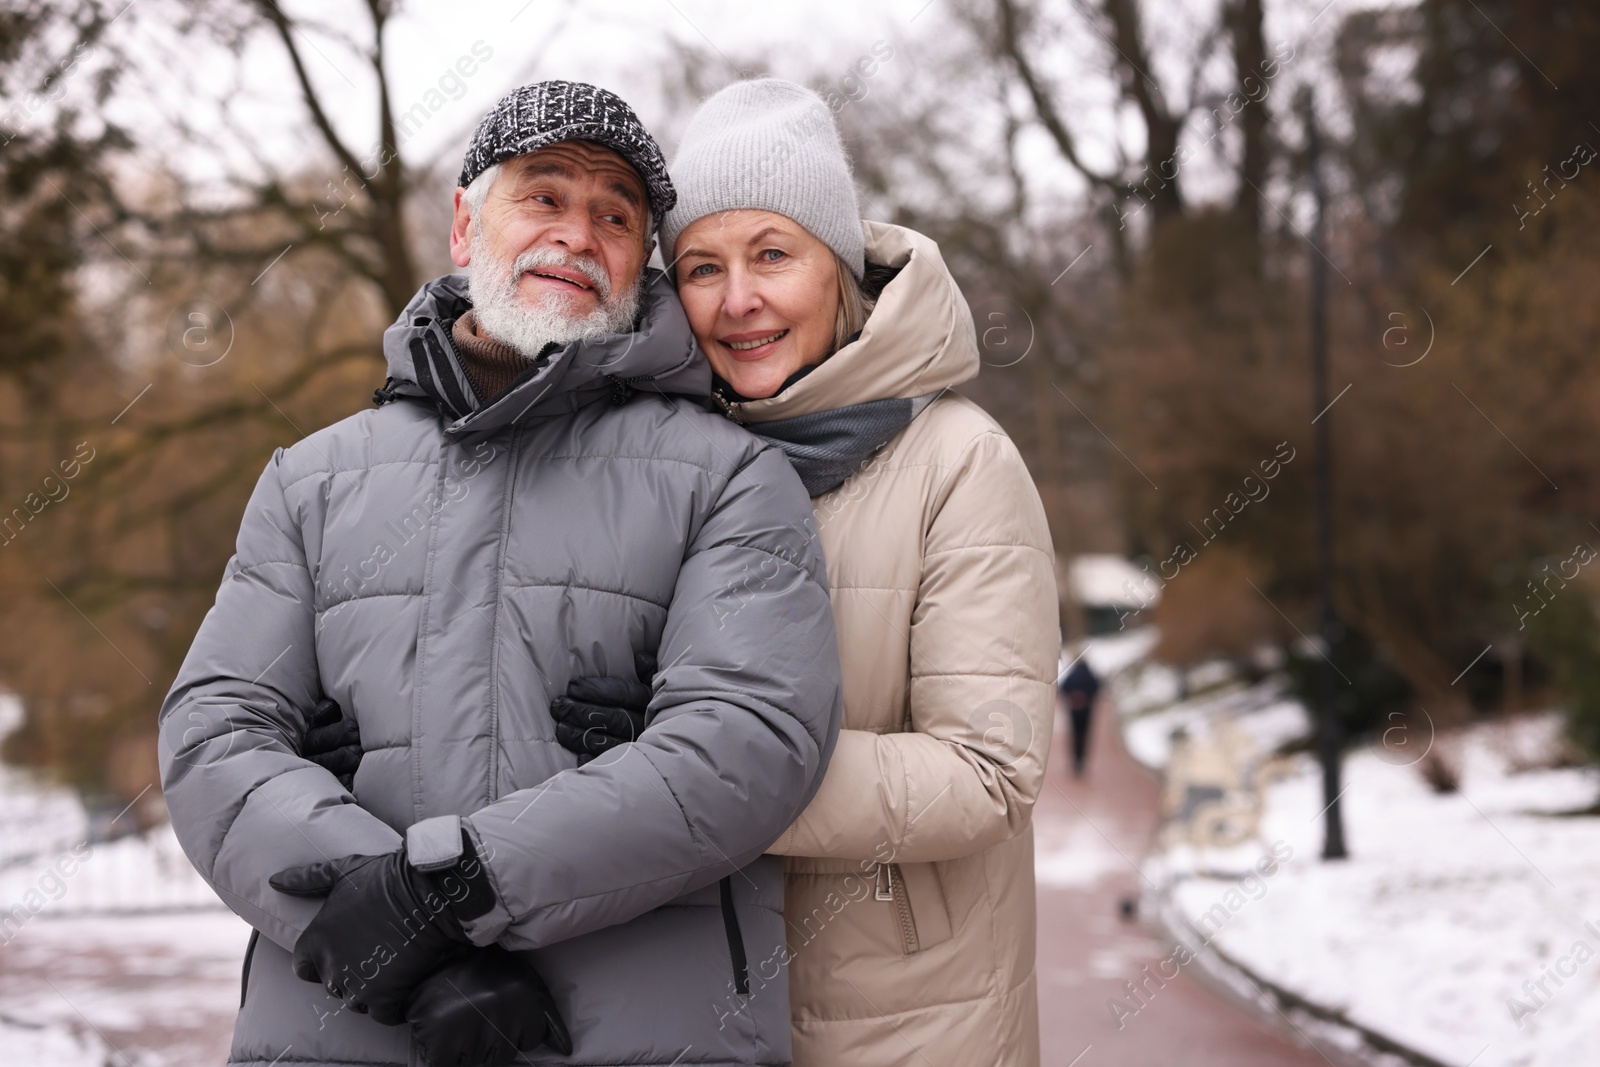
column 661, row 672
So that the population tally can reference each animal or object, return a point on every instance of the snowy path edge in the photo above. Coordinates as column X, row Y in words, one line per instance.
column 1358, row 1045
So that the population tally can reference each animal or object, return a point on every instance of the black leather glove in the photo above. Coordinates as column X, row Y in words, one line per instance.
column 384, row 927
column 333, row 742
column 481, row 1009
column 599, row 713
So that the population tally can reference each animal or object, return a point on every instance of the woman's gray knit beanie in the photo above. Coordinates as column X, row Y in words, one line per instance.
column 768, row 144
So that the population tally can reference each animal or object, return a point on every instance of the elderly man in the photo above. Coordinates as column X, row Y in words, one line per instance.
column 536, row 498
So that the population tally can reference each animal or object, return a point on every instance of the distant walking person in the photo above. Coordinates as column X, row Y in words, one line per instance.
column 1079, row 688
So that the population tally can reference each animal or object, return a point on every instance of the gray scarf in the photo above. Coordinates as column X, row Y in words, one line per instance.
column 826, row 447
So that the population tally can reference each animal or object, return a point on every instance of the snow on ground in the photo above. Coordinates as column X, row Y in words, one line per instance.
column 1142, row 684
column 37, row 1045
column 1264, row 713
column 35, row 817
column 1110, row 654
column 139, row 872
column 112, row 952
column 160, row 989
column 52, row 863
column 1466, row 925
column 1448, row 904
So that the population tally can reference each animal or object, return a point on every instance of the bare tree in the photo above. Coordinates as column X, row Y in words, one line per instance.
column 238, row 324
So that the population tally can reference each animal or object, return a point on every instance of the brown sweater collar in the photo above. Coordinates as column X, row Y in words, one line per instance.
column 490, row 365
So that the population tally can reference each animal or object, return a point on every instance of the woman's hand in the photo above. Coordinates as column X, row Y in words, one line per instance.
column 333, row 742
column 599, row 713
column 482, row 1009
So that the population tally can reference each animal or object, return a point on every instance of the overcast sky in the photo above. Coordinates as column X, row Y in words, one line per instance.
column 620, row 44
column 624, row 45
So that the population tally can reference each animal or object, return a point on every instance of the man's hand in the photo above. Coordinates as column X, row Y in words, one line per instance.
column 333, row 742
column 599, row 713
column 483, row 1008
column 384, row 927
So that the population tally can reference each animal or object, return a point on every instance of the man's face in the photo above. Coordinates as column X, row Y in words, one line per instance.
column 556, row 252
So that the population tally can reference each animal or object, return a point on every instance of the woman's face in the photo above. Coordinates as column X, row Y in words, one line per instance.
column 762, row 295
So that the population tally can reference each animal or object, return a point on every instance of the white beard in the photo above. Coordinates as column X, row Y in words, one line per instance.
column 506, row 316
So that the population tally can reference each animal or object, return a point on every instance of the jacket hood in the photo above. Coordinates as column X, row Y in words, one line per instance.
column 918, row 340
column 660, row 356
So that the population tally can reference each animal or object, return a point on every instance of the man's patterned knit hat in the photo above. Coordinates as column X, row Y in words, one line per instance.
column 534, row 116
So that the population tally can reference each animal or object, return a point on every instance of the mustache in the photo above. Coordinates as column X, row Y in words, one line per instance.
column 535, row 258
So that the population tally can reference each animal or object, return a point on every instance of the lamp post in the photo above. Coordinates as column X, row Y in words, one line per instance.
column 1330, row 730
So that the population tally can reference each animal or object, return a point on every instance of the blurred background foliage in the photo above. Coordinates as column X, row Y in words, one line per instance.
column 1145, row 337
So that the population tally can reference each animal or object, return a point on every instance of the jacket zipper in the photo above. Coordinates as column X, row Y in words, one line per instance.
column 730, row 923
column 506, row 501
column 891, row 887
column 249, row 954
column 731, row 410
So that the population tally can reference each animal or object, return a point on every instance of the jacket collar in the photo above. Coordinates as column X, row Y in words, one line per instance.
column 659, row 356
column 918, row 340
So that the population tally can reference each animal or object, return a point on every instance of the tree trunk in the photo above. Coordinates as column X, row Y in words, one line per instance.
column 1244, row 20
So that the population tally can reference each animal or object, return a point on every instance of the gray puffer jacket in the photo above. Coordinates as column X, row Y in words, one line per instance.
column 443, row 573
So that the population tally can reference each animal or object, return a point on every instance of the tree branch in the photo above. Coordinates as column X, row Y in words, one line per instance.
column 285, row 28
column 1161, row 127
column 1010, row 46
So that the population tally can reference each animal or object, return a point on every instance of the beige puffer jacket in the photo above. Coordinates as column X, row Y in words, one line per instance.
column 909, row 888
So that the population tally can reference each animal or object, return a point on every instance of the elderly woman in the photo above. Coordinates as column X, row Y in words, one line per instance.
column 909, row 888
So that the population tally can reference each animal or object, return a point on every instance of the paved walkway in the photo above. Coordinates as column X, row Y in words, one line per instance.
column 1090, row 834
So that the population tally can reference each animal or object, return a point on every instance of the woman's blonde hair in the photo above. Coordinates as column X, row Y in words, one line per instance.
column 854, row 306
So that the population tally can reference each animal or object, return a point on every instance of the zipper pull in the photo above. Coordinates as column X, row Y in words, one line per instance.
column 884, row 888
column 729, row 409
